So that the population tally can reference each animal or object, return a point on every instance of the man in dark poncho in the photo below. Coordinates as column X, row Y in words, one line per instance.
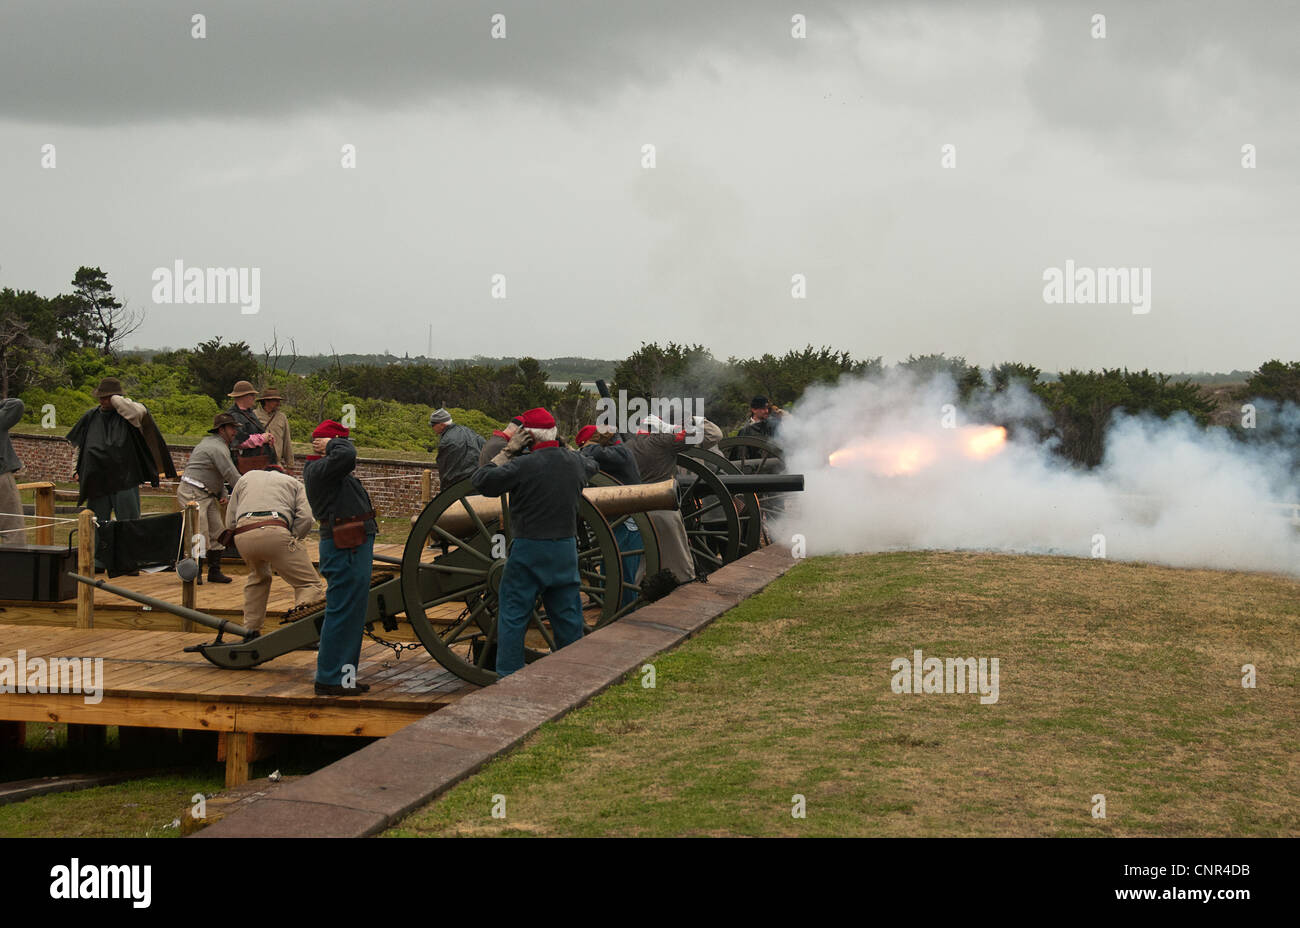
column 119, row 447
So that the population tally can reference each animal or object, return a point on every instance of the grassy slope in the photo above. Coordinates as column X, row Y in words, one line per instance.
column 1115, row 679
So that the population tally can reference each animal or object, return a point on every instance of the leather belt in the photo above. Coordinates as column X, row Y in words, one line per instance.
column 262, row 524
column 284, row 519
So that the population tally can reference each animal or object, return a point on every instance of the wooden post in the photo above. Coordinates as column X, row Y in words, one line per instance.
column 45, row 509
column 237, row 751
column 426, row 485
column 86, row 567
column 189, row 521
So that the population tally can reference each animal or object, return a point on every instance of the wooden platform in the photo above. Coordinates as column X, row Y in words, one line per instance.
column 219, row 599
column 149, row 681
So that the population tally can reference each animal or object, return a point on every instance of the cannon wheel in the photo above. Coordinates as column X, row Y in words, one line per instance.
column 713, row 529
column 748, row 507
column 753, row 455
column 649, row 550
column 469, row 573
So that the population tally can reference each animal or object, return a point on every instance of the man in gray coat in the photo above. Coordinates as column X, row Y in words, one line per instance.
column 458, row 449
column 11, row 504
column 209, row 469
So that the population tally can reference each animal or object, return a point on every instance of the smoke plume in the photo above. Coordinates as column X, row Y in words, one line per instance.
column 1167, row 492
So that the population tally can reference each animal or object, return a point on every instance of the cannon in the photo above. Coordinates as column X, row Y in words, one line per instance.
column 471, row 536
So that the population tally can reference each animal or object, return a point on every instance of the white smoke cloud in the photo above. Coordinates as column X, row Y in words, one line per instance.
column 1167, row 492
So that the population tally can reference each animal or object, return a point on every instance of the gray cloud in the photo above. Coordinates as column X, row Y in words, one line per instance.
column 89, row 63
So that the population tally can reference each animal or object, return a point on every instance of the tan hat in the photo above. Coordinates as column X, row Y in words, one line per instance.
column 109, row 386
column 242, row 388
column 270, row 393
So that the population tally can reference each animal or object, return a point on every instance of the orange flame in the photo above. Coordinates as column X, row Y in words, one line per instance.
column 907, row 453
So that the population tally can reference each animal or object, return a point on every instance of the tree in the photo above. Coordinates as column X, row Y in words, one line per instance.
column 1274, row 381
column 215, row 367
column 110, row 321
column 272, row 356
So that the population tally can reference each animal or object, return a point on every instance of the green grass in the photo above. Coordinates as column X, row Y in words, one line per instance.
column 1117, row 679
column 142, row 807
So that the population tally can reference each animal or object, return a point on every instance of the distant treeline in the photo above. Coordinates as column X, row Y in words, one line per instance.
column 54, row 350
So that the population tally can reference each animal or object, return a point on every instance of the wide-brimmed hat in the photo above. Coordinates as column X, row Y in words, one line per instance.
column 242, row 388
column 109, row 386
column 220, row 419
column 270, row 393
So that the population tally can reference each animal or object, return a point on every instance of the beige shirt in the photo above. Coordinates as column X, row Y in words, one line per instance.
column 270, row 490
column 129, row 410
column 278, row 426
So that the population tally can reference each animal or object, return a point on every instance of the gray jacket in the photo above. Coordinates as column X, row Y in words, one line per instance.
column 11, row 413
column 210, row 464
column 458, row 451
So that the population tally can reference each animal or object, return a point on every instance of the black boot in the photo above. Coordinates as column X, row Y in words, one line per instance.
column 214, row 568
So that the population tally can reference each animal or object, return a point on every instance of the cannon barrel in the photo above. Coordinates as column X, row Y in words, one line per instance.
column 613, row 503
column 762, row 483
column 182, row 611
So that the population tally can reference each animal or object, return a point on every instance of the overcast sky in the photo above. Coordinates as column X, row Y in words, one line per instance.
column 775, row 156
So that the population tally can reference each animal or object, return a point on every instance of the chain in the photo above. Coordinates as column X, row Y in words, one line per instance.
column 397, row 646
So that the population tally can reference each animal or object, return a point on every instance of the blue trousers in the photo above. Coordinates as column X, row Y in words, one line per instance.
column 347, row 573
column 125, row 504
column 536, row 566
column 628, row 537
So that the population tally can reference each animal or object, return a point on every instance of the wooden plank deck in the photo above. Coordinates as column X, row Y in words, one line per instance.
column 149, row 681
column 219, row 599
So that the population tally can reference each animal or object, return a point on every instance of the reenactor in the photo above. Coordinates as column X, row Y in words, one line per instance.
column 544, row 486
column 269, row 514
column 209, row 469
column 347, row 548
column 498, row 440
column 118, row 447
column 252, row 440
column 655, row 447
column 458, row 449
column 763, row 419
column 11, row 504
column 614, row 457
column 276, row 424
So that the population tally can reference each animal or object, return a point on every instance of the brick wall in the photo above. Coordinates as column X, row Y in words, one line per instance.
column 394, row 486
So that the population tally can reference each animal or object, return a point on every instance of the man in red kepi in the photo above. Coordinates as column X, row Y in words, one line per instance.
column 347, row 545
column 544, row 485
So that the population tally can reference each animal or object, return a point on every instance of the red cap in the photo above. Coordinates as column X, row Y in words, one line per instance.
column 538, row 418
column 584, row 434
column 330, row 429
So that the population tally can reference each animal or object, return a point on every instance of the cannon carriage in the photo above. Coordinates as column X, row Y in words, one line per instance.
column 456, row 554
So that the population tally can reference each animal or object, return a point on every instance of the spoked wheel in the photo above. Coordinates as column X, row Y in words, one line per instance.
column 713, row 529
column 755, row 455
column 748, row 508
column 477, row 535
column 649, row 550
